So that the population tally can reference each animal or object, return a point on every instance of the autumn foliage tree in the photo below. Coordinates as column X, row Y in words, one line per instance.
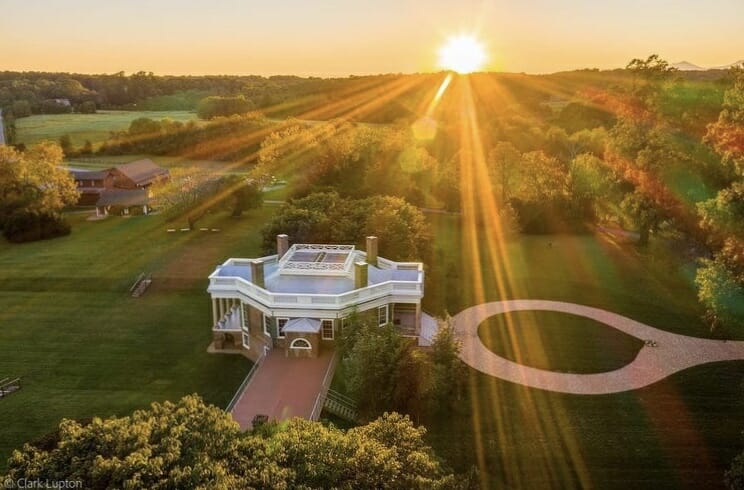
column 34, row 188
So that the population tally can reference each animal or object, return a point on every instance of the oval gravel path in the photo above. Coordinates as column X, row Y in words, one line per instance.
column 673, row 352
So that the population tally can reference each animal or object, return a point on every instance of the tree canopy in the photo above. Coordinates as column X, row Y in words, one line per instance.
column 189, row 444
column 326, row 217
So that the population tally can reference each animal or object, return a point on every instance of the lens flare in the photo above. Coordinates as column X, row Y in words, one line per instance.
column 463, row 53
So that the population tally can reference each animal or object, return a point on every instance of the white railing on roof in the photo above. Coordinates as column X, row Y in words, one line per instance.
column 240, row 286
column 233, row 285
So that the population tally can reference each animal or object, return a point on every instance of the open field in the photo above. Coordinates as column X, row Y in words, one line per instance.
column 84, row 347
column 681, row 432
column 81, row 127
column 100, row 162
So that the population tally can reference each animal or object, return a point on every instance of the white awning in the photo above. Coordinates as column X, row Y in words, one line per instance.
column 302, row 325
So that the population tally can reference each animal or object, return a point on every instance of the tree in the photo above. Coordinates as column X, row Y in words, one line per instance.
column 727, row 133
column 639, row 151
column 189, row 444
column 187, row 194
column 87, row 107
column 144, row 126
column 721, row 292
column 448, row 371
column 215, row 106
column 66, row 145
column 734, row 477
column 325, row 217
column 384, row 370
column 34, row 181
column 191, row 193
column 723, row 215
column 87, row 148
column 540, row 178
column 503, row 165
column 21, row 108
column 246, row 193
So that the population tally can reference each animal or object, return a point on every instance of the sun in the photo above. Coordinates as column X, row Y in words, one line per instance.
column 463, row 53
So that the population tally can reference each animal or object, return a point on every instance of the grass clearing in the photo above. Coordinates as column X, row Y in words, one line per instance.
column 100, row 162
column 680, row 432
column 558, row 342
column 84, row 347
column 81, row 127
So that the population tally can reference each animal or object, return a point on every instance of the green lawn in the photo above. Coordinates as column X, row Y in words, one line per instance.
column 681, row 432
column 81, row 127
column 99, row 162
column 558, row 341
column 84, row 347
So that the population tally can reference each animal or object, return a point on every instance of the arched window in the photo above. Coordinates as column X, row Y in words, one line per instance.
column 300, row 343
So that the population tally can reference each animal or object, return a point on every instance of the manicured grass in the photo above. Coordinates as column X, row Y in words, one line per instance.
column 81, row 127
column 99, row 162
column 680, row 432
column 558, row 341
column 84, row 347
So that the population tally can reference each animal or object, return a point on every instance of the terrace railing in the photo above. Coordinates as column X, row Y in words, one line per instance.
column 239, row 285
column 324, row 388
column 246, row 381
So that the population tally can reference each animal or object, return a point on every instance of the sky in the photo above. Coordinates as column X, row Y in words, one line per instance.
column 340, row 38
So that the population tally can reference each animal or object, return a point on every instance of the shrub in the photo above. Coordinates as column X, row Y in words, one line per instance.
column 29, row 226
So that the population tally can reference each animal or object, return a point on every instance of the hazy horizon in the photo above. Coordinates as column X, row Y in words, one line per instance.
column 338, row 39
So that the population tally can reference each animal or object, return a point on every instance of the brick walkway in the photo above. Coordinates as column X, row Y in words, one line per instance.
column 671, row 354
column 283, row 387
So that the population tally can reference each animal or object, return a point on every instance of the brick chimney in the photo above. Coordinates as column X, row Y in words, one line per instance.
column 360, row 275
column 372, row 250
column 257, row 273
column 282, row 245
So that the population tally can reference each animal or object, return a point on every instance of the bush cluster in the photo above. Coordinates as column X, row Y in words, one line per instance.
column 28, row 226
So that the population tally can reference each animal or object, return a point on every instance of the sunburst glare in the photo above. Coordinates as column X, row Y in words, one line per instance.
column 463, row 54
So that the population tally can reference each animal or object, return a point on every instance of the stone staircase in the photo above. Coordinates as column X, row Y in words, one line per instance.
column 341, row 406
column 140, row 285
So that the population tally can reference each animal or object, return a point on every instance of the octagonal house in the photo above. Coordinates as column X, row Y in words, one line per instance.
column 301, row 298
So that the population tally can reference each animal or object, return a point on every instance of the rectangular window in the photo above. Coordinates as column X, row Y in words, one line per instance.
column 267, row 325
column 344, row 323
column 326, row 328
column 246, row 340
column 246, row 316
column 382, row 315
column 280, row 323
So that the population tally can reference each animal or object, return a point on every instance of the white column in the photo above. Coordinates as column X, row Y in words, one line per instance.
column 214, row 312
column 418, row 319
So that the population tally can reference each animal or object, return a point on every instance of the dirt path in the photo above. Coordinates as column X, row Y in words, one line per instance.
column 671, row 353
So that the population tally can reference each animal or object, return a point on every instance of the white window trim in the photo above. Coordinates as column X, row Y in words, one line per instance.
column 266, row 327
column 308, row 345
column 322, row 331
column 387, row 317
column 344, row 323
column 246, row 339
column 279, row 333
